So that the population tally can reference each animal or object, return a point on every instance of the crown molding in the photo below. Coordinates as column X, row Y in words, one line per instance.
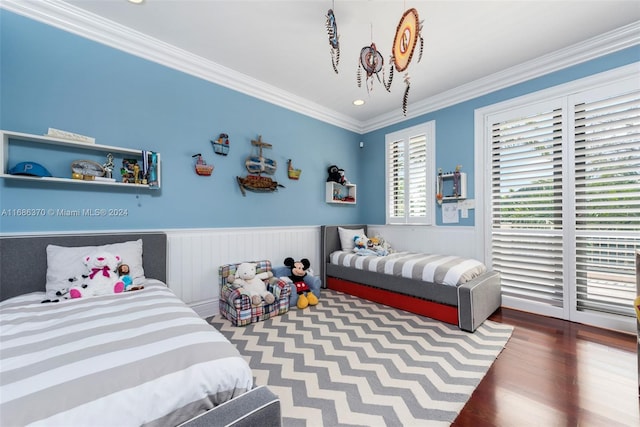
column 593, row 48
column 88, row 25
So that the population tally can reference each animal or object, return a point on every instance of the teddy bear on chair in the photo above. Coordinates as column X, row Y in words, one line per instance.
column 252, row 283
column 101, row 277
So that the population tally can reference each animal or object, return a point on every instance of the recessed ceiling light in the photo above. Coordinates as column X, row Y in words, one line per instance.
column 358, row 102
column 136, row 1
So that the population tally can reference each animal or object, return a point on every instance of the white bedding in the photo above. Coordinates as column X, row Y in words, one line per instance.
column 136, row 358
column 438, row 269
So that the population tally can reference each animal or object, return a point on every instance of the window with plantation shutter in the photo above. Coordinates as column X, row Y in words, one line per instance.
column 526, row 184
column 409, row 175
column 607, row 199
column 563, row 184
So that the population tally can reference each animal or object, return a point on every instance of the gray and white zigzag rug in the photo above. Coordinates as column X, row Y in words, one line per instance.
column 348, row 362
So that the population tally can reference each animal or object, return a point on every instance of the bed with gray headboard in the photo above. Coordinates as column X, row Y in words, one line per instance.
column 138, row 357
column 23, row 259
column 469, row 301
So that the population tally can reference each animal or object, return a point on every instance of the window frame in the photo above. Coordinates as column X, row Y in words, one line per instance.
column 427, row 129
column 621, row 75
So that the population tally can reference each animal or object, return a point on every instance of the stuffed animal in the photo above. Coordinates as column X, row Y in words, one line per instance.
column 359, row 242
column 336, row 175
column 57, row 294
column 383, row 244
column 123, row 274
column 343, row 179
column 375, row 244
column 252, row 283
column 363, row 246
column 298, row 272
column 101, row 277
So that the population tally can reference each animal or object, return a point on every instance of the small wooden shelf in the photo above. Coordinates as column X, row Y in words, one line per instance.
column 446, row 186
column 47, row 142
column 340, row 194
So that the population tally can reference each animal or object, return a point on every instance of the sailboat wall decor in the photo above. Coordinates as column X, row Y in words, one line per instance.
column 257, row 165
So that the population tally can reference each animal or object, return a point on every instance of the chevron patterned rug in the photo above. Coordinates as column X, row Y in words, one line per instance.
column 351, row 362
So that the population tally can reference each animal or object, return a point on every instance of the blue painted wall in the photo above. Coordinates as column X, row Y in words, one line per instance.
column 455, row 134
column 50, row 78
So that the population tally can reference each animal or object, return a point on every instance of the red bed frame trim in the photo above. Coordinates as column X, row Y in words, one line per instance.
column 434, row 310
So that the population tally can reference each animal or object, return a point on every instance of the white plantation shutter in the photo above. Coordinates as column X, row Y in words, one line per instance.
column 565, row 201
column 607, row 194
column 409, row 175
column 395, row 179
column 526, row 177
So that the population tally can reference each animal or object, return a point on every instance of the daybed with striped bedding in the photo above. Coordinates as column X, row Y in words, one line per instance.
column 128, row 359
column 456, row 290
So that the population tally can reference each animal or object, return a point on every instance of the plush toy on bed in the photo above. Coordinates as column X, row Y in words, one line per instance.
column 252, row 283
column 364, row 246
column 101, row 277
column 58, row 294
column 378, row 245
column 383, row 244
column 298, row 272
column 123, row 273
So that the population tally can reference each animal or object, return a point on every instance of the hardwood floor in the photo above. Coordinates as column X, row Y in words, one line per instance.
column 557, row 373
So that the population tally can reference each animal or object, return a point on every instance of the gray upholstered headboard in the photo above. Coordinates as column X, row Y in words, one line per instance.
column 23, row 259
column 330, row 242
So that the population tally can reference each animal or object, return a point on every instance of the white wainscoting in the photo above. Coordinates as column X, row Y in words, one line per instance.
column 458, row 241
column 194, row 257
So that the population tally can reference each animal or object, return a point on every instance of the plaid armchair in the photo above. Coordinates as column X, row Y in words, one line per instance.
column 236, row 306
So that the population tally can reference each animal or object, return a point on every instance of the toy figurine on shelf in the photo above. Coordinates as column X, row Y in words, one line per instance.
column 439, row 185
column 128, row 170
column 456, row 181
column 108, row 166
column 152, row 173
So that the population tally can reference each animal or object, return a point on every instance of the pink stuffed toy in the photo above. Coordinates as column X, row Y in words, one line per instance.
column 101, row 277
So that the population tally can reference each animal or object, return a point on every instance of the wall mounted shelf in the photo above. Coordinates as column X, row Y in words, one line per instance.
column 446, row 186
column 340, row 194
column 82, row 148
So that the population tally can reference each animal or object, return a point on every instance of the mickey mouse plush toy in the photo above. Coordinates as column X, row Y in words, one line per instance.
column 298, row 271
column 336, row 175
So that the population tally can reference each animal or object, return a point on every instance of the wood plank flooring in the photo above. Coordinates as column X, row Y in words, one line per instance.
column 557, row 373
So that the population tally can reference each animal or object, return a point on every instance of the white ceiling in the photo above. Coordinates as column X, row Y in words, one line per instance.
column 284, row 44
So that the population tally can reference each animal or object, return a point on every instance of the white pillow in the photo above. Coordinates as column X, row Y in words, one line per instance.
column 64, row 263
column 346, row 237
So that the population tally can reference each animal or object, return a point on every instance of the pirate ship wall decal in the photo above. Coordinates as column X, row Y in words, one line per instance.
column 256, row 166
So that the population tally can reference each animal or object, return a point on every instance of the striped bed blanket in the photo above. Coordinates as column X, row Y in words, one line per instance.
column 129, row 359
column 438, row 269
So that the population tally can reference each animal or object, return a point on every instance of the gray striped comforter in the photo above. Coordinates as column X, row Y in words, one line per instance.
column 137, row 358
column 438, row 269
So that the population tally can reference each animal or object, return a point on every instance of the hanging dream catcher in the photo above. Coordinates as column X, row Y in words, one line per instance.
column 404, row 43
column 371, row 62
column 334, row 42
